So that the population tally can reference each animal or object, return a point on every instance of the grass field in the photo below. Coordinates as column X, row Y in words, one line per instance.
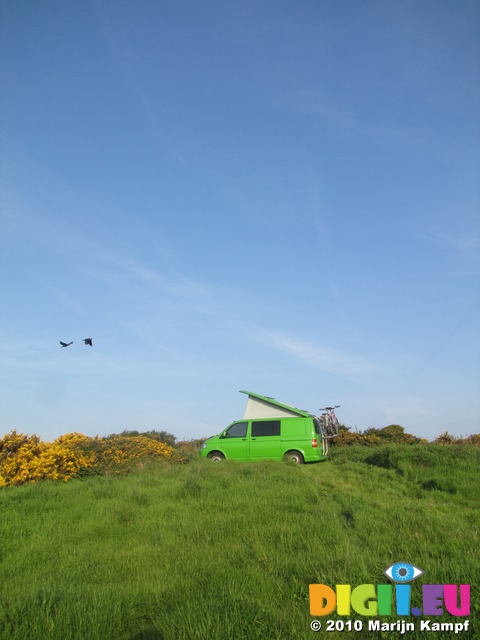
column 209, row 551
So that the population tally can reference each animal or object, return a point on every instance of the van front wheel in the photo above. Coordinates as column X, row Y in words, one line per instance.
column 216, row 456
column 293, row 456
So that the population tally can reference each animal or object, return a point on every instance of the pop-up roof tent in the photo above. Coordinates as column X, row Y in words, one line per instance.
column 265, row 407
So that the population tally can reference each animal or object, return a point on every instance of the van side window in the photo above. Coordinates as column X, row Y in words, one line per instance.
column 266, row 428
column 238, row 430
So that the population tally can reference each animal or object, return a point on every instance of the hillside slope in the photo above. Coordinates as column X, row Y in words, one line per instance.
column 228, row 551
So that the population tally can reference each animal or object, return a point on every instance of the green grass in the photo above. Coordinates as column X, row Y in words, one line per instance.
column 227, row 551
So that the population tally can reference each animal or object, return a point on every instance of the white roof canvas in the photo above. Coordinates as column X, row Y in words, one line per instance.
column 261, row 408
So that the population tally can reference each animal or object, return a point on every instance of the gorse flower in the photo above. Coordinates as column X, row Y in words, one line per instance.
column 28, row 459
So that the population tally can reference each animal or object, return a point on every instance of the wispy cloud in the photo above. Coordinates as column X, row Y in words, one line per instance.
column 464, row 242
column 208, row 299
column 172, row 284
column 316, row 355
column 464, row 247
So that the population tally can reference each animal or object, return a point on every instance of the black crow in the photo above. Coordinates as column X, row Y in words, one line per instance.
column 66, row 344
column 88, row 341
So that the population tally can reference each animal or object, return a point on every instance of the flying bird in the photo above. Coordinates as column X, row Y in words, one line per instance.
column 88, row 341
column 65, row 344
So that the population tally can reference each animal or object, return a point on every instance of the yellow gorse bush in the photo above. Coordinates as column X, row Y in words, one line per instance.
column 28, row 459
column 123, row 452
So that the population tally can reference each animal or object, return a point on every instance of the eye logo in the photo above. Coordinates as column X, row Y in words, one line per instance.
column 402, row 572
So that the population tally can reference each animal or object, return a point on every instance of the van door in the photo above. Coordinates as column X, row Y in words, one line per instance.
column 265, row 440
column 234, row 441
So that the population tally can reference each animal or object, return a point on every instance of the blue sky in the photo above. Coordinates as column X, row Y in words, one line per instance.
column 274, row 196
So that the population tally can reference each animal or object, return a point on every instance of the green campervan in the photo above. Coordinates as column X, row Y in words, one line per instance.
column 269, row 430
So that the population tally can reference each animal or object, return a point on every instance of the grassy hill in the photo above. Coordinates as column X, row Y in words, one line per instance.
column 228, row 551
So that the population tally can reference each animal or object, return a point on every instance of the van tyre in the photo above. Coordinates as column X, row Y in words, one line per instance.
column 216, row 456
column 293, row 456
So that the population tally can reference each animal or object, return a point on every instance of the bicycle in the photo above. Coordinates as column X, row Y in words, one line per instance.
column 329, row 425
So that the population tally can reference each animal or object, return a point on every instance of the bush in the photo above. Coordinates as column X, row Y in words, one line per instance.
column 25, row 459
column 190, row 449
column 346, row 437
column 386, row 458
column 446, row 438
column 393, row 433
column 161, row 436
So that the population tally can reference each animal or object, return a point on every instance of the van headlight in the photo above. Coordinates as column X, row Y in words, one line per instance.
column 204, row 446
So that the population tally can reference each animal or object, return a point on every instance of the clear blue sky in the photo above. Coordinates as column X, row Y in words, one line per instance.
column 279, row 196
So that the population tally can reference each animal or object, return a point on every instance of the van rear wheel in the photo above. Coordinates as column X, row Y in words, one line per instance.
column 294, row 456
column 216, row 456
